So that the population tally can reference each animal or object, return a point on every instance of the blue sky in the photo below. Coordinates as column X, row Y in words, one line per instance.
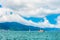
column 0, row 6
column 51, row 18
column 40, row 13
column 34, row 19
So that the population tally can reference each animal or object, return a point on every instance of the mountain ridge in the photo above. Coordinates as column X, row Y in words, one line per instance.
column 14, row 26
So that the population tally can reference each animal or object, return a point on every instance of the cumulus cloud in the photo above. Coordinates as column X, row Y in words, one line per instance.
column 5, row 16
column 28, row 8
column 33, row 7
column 44, row 24
column 58, row 22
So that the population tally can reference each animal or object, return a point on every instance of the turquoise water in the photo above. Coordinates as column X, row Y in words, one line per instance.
column 26, row 35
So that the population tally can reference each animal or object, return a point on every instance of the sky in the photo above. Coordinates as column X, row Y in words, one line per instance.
column 37, row 13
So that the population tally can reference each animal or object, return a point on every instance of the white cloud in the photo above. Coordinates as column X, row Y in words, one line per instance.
column 44, row 24
column 28, row 8
column 58, row 22
column 7, row 17
column 33, row 7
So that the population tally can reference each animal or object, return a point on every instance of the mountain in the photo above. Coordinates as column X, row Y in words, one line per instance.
column 17, row 27
column 14, row 26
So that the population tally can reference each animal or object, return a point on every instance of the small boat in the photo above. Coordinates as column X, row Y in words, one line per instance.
column 41, row 30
